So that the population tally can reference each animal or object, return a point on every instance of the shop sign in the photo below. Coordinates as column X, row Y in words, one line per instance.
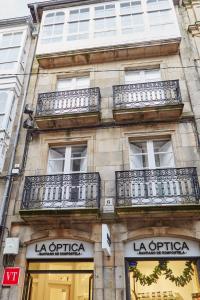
column 54, row 249
column 106, row 240
column 162, row 247
column 11, row 276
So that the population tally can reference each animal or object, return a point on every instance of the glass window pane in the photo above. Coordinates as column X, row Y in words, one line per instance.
column 125, row 8
column 99, row 12
column 126, row 21
column 49, row 19
column 132, row 77
column 13, row 54
column 73, row 27
column 137, row 19
column 3, row 100
column 79, row 151
column 3, row 55
column 84, row 26
column 58, row 29
column 57, row 153
column 110, row 23
column 74, row 15
column 84, row 13
column 139, row 148
column 109, row 10
column 17, row 39
column 83, row 82
column 99, row 24
column 60, row 17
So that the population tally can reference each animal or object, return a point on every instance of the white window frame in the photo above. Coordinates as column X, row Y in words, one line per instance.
column 142, row 75
column 9, row 112
column 68, row 159
column 8, row 63
column 94, row 35
column 151, row 154
column 79, row 34
column 53, row 37
column 73, row 82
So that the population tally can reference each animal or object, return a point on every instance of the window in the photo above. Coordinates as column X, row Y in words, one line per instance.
column 3, row 106
column 160, row 17
column 105, row 20
column 52, row 30
column 78, row 25
column 151, row 154
column 131, row 17
column 69, row 159
column 10, row 44
column 142, row 76
column 64, row 84
column 157, row 4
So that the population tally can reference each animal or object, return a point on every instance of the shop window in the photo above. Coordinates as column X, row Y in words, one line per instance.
column 52, row 30
column 105, row 20
column 78, row 25
column 59, row 281
column 164, row 288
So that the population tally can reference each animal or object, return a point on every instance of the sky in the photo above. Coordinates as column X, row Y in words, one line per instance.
column 14, row 8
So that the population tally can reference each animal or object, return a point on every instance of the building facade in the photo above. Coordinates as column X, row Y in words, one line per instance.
column 15, row 65
column 109, row 193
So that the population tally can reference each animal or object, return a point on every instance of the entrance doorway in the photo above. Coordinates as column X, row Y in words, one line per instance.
column 164, row 288
column 59, row 281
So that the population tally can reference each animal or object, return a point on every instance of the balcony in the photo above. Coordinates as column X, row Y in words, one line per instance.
column 157, row 188
column 67, row 109
column 151, row 101
column 77, row 193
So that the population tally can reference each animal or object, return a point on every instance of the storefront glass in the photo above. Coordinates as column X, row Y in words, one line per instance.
column 59, row 281
column 163, row 289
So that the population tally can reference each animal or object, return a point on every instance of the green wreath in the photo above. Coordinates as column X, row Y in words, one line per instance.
column 162, row 268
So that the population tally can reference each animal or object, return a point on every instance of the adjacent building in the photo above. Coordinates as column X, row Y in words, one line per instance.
column 109, row 189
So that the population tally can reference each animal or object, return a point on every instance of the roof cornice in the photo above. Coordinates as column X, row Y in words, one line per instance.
column 27, row 20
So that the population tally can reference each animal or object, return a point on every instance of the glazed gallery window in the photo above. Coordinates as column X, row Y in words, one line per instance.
column 7, row 110
column 59, row 281
column 78, row 25
column 69, row 159
column 132, row 17
column 52, row 30
column 10, row 45
column 119, row 18
column 163, row 288
column 105, row 20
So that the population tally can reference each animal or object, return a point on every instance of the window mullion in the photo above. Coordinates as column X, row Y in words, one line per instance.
column 67, row 165
column 151, row 155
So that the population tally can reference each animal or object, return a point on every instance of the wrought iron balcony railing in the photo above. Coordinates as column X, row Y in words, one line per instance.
column 142, row 95
column 78, row 190
column 68, row 102
column 157, row 187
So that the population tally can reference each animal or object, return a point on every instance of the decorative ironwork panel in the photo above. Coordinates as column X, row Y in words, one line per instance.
column 146, row 94
column 157, row 187
column 68, row 102
column 62, row 191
